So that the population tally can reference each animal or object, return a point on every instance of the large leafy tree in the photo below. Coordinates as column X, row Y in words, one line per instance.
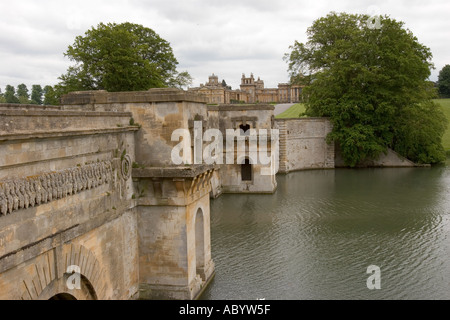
column 121, row 57
column 372, row 84
column 444, row 81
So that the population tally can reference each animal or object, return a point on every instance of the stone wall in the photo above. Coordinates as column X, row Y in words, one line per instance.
column 303, row 144
column 172, row 202
column 66, row 200
column 158, row 112
column 254, row 117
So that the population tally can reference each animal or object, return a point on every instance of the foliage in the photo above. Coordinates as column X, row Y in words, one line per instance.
column 445, row 106
column 10, row 95
column 51, row 97
column 372, row 83
column 36, row 94
column 419, row 131
column 121, row 57
column 225, row 85
column 444, row 82
column 182, row 80
column 22, row 94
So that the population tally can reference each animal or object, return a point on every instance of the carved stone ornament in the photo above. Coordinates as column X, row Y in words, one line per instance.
column 23, row 193
column 126, row 167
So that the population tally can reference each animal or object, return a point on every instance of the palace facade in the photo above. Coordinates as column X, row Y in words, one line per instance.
column 251, row 91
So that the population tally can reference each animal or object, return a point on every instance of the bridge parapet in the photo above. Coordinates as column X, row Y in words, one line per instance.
column 65, row 181
column 68, row 192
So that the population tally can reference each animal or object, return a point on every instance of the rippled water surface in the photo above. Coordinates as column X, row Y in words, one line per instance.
column 316, row 236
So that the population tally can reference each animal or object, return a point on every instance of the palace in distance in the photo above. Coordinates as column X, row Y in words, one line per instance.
column 251, row 91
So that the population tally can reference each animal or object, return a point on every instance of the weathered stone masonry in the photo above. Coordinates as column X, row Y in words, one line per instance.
column 28, row 192
column 91, row 184
column 303, row 144
column 66, row 199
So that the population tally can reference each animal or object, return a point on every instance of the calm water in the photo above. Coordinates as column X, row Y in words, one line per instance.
column 316, row 236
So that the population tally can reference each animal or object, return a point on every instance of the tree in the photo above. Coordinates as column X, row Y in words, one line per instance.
column 10, row 95
column 2, row 97
column 22, row 94
column 36, row 94
column 225, row 85
column 182, row 80
column 51, row 97
column 121, row 57
column 444, row 81
column 372, row 84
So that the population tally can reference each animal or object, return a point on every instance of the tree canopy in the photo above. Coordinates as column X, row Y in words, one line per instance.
column 372, row 84
column 121, row 57
column 10, row 95
column 36, row 94
column 22, row 94
column 444, row 81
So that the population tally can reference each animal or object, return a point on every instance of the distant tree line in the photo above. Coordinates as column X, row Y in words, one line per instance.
column 112, row 57
column 21, row 95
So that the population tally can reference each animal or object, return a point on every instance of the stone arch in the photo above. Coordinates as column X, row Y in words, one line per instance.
column 63, row 296
column 49, row 275
column 58, row 290
column 200, row 254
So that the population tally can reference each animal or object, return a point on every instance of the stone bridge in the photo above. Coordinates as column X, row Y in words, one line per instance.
column 89, row 207
column 92, row 206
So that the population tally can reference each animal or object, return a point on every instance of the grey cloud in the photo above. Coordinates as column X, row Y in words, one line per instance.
column 226, row 37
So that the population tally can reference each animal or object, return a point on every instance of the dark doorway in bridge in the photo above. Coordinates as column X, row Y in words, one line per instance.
column 246, row 171
column 200, row 244
column 63, row 296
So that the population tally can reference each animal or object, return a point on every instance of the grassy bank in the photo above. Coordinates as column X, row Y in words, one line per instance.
column 445, row 105
column 292, row 112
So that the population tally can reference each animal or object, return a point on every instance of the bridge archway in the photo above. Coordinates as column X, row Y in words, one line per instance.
column 58, row 289
column 63, row 296
column 68, row 273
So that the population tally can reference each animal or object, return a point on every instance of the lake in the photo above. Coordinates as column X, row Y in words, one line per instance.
column 317, row 235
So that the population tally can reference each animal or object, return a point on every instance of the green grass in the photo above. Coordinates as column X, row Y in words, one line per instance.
column 445, row 104
column 292, row 112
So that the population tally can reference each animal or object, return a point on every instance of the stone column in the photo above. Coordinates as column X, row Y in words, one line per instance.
column 174, row 232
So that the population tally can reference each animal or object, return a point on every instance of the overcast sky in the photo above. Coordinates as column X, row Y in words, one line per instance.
column 225, row 37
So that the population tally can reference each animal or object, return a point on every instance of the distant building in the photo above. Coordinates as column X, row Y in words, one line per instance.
column 251, row 91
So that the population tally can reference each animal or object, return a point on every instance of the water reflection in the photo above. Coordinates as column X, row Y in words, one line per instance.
column 315, row 237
